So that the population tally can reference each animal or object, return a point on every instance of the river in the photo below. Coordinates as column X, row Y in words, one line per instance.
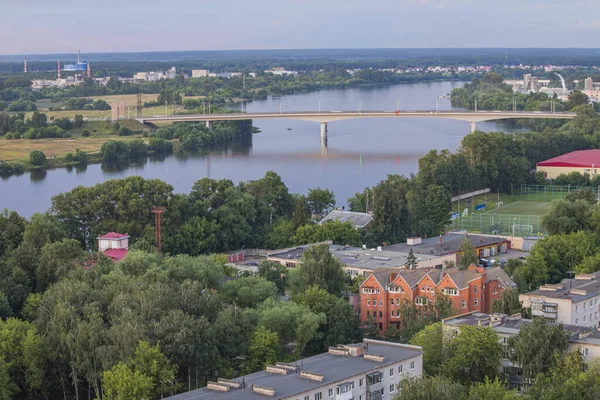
column 359, row 153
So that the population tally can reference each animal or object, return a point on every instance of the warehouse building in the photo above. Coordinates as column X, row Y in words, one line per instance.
column 582, row 161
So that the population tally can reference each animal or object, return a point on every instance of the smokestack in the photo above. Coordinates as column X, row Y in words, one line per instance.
column 58, row 69
column 25, row 65
column 89, row 70
column 78, row 57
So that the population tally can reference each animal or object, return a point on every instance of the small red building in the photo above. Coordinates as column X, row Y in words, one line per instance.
column 384, row 292
column 114, row 245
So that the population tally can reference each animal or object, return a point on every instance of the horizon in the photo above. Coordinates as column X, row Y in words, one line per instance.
column 144, row 26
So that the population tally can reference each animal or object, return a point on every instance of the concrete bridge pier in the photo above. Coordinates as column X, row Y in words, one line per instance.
column 324, row 146
column 324, row 130
column 209, row 125
column 473, row 126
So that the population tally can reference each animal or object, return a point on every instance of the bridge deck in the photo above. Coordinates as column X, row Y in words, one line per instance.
column 330, row 116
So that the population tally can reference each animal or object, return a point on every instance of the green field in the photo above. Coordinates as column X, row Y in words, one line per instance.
column 522, row 216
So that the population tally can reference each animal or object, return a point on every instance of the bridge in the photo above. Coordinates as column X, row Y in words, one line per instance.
column 324, row 117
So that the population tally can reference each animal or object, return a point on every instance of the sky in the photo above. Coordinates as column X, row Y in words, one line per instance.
column 62, row 26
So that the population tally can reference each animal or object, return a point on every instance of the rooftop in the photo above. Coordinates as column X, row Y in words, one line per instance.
column 334, row 368
column 448, row 243
column 115, row 254
column 507, row 324
column 113, row 235
column 578, row 289
column 359, row 220
column 356, row 257
column 579, row 158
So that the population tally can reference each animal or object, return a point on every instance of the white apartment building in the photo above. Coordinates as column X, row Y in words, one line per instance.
column 280, row 71
column 200, row 73
column 371, row 370
column 573, row 301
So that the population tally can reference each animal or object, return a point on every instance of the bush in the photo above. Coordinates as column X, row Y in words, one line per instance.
column 86, row 133
column 37, row 158
column 124, row 131
column 160, row 146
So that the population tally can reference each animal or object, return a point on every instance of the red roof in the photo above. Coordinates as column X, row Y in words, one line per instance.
column 113, row 235
column 579, row 158
column 115, row 254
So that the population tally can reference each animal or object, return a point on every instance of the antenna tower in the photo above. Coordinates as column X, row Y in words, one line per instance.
column 58, row 77
column 78, row 57
column 25, row 66
column 157, row 213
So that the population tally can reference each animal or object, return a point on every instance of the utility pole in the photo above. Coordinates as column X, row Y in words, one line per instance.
column 139, row 105
column 475, row 105
column 158, row 210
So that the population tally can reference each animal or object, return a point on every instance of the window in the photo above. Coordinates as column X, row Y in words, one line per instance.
column 577, row 308
column 400, row 369
column 585, row 318
column 421, row 301
column 391, row 302
column 595, row 302
column 306, row 398
column 392, row 388
column 476, row 302
column 450, row 291
column 475, row 289
column 590, row 317
column 391, row 371
column 380, row 314
column 536, row 306
column 595, row 314
column 412, row 365
column 361, row 382
column 397, row 302
column 464, row 304
column 585, row 352
column 584, row 305
column 318, row 396
column 381, row 303
column 374, row 378
column 392, row 314
column 395, row 289
column 368, row 302
column 331, row 392
column 590, row 303
column 422, row 288
column 576, row 321
column 504, row 340
column 368, row 291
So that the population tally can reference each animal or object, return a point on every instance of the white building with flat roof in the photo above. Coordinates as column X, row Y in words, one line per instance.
column 200, row 73
column 369, row 370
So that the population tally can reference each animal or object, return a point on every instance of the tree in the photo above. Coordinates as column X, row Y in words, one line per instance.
column 12, row 227
column 391, row 222
column 430, row 207
column 301, row 216
column 429, row 388
column 37, row 158
column 123, row 383
column 320, row 200
column 43, row 229
column 492, row 390
column 508, row 303
column 577, row 98
column 263, row 349
column 474, row 355
column 318, row 267
column 274, row 193
column 568, row 216
column 431, row 339
column 586, row 194
column 7, row 386
column 468, row 254
column 273, row 272
column 536, row 346
column 248, row 292
column 38, row 120
column 149, row 361
column 411, row 260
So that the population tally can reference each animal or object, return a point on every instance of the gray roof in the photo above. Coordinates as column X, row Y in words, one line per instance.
column 358, row 219
column 335, row 368
column 355, row 257
column 449, row 243
column 580, row 288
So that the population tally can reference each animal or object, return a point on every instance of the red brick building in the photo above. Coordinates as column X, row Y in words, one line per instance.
column 384, row 291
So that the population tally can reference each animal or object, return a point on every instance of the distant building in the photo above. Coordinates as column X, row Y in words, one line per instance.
column 449, row 245
column 385, row 291
column 280, row 71
column 114, row 245
column 573, row 301
column 582, row 161
column 141, row 76
column 588, row 84
column 369, row 370
column 357, row 219
column 200, row 73
column 357, row 261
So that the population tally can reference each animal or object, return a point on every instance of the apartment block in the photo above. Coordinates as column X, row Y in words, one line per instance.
column 384, row 292
column 572, row 301
column 583, row 339
column 371, row 370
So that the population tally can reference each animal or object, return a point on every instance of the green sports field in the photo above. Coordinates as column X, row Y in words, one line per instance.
column 522, row 216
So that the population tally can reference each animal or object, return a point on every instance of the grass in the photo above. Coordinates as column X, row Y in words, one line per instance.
column 130, row 99
column 101, row 131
